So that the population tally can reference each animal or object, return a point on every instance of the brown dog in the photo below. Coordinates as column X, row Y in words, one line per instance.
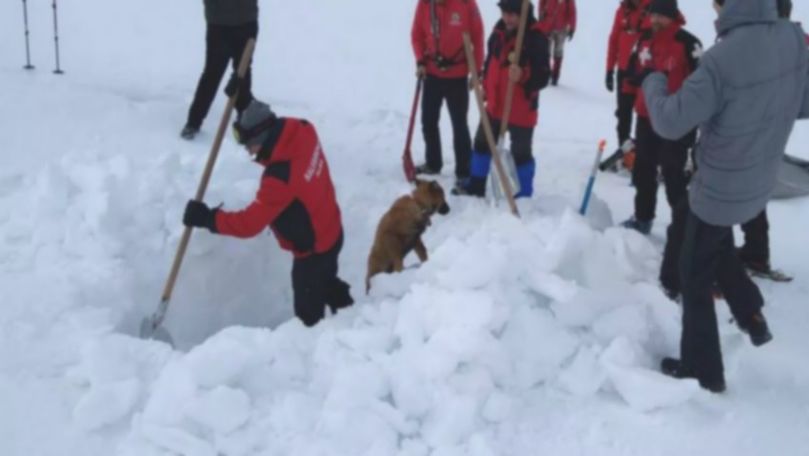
column 401, row 228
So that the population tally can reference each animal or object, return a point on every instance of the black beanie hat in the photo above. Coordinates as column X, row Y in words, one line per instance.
column 510, row 6
column 666, row 8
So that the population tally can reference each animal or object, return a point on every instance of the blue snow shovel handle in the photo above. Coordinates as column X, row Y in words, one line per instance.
column 591, row 182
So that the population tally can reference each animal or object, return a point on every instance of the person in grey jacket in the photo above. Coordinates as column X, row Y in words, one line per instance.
column 750, row 88
column 230, row 24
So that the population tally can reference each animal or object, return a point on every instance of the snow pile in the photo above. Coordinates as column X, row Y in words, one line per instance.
column 438, row 357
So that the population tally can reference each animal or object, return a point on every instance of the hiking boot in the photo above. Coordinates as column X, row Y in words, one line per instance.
column 473, row 186
column 339, row 296
column 674, row 368
column 189, row 132
column 757, row 329
column 427, row 170
column 642, row 227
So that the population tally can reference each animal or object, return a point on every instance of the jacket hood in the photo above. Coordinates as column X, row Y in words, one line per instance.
column 736, row 13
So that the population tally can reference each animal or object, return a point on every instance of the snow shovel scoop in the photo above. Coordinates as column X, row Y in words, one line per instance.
column 407, row 156
column 151, row 327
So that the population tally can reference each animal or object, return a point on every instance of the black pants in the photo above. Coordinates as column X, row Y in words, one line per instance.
column 522, row 139
column 316, row 285
column 456, row 92
column 707, row 257
column 756, row 248
column 625, row 110
column 223, row 44
column 652, row 152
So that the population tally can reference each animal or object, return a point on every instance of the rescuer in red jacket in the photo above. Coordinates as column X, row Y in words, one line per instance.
column 669, row 49
column 529, row 75
column 296, row 199
column 558, row 18
column 437, row 36
column 630, row 18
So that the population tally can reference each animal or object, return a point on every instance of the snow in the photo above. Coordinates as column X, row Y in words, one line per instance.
column 538, row 335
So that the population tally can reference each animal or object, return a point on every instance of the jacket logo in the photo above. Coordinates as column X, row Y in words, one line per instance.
column 455, row 19
column 645, row 55
column 315, row 167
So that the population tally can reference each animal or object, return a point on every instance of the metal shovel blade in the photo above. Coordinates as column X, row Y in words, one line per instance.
column 150, row 328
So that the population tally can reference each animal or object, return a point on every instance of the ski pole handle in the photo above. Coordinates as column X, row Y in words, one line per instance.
column 591, row 181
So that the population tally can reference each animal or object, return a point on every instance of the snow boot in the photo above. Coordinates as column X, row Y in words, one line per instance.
column 525, row 173
column 642, row 227
column 556, row 70
column 476, row 184
column 674, row 368
column 426, row 170
column 339, row 296
column 757, row 329
column 189, row 132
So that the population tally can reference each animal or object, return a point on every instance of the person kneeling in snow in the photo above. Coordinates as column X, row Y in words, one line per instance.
column 529, row 77
column 296, row 199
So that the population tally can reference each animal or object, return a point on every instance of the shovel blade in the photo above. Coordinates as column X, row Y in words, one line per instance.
column 150, row 330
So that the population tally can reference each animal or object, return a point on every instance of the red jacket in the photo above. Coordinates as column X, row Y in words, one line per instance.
column 672, row 51
column 535, row 64
column 296, row 196
column 558, row 14
column 626, row 29
column 454, row 18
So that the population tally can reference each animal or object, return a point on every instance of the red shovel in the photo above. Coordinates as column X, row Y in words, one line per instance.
column 407, row 156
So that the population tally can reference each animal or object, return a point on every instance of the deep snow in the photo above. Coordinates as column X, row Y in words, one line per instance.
column 518, row 337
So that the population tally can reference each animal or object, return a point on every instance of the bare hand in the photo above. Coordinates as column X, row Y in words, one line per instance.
column 514, row 73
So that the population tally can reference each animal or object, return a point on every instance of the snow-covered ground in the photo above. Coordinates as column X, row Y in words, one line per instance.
column 532, row 336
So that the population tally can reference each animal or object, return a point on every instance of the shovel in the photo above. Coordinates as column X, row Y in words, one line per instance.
column 151, row 327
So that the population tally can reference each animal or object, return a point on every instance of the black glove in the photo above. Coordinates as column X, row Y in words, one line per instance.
column 235, row 84
column 570, row 34
column 610, row 80
column 199, row 215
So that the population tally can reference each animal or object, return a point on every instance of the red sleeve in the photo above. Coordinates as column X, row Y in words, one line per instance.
column 612, row 46
column 572, row 19
column 417, row 37
column 272, row 198
column 477, row 33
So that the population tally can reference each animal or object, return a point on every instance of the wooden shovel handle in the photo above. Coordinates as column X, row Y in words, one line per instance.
column 247, row 55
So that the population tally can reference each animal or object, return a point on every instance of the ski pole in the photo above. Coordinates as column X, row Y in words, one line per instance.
column 591, row 182
column 56, row 39
column 28, row 65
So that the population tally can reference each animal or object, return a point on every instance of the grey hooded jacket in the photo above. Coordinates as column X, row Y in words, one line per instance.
column 745, row 97
column 231, row 12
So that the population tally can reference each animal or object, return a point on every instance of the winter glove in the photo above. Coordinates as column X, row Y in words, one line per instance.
column 610, row 81
column 199, row 215
column 421, row 69
column 235, row 84
column 570, row 34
